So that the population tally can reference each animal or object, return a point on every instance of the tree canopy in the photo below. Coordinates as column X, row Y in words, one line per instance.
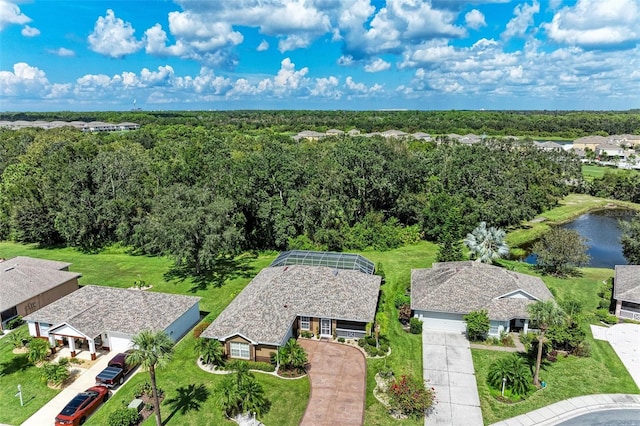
column 560, row 251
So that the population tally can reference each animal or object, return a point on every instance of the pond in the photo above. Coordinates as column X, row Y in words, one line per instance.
column 602, row 232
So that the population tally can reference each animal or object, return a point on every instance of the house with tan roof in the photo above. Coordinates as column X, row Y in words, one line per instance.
column 444, row 293
column 28, row 284
column 626, row 291
column 589, row 142
column 324, row 293
column 109, row 317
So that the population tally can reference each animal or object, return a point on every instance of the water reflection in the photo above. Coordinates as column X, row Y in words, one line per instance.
column 602, row 232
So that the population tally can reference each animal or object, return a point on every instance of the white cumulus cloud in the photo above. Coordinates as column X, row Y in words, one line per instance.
column 264, row 45
column 377, row 65
column 595, row 23
column 475, row 19
column 523, row 19
column 28, row 31
column 113, row 37
column 10, row 14
column 24, row 80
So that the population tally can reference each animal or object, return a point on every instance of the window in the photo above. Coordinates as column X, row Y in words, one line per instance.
column 305, row 323
column 239, row 350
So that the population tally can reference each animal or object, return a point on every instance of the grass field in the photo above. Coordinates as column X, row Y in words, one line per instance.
column 593, row 171
column 17, row 370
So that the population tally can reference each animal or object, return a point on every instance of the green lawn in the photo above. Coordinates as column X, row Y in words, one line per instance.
column 594, row 171
column 17, row 370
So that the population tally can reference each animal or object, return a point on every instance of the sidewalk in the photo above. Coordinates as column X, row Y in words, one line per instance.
column 570, row 408
column 46, row 415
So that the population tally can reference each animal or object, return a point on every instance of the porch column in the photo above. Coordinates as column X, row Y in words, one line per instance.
column 92, row 349
column 52, row 343
column 618, row 307
column 526, row 326
column 72, row 346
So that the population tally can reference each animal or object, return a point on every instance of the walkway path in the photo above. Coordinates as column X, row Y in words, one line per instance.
column 338, row 376
column 570, row 408
column 448, row 368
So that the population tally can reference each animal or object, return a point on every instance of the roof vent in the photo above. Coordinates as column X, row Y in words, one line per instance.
column 9, row 268
column 335, row 271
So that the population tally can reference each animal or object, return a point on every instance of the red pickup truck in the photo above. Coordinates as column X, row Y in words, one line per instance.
column 115, row 372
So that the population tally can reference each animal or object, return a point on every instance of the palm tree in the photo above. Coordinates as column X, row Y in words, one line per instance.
column 240, row 392
column 544, row 314
column 486, row 244
column 38, row 350
column 152, row 350
column 210, row 351
column 292, row 355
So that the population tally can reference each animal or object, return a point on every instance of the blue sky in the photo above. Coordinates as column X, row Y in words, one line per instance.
column 319, row 54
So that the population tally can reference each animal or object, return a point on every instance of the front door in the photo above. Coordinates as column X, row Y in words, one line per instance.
column 325, row 327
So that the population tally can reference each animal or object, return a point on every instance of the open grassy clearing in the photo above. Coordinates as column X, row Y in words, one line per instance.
column 594, row 171
column 570, row 207
column 17, row 370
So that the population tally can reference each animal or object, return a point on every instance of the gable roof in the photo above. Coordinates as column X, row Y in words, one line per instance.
column 23, row 278
column 463, row 287
column 626, row 284
column 265, row 310
column 95, row 309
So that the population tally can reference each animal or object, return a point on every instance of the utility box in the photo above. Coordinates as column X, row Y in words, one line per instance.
column 138, row 404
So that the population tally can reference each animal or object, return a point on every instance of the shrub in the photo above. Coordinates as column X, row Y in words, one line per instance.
column 370, row 340
column 385, row 372
column 341, row 339
column 477, row 325
column 198, row 329
column 371, row 350
column 582, row 349
column 405, row 314
column 527, row 339
column 38, row 350
column 306, row 334
column 142, row 389
column 506, row 339
column 415, row 326
column 401, row 299
column 17, row 338
column 124, row 417
column 513, row 368
column 361, row 343
column 55, row 374
column 261, row 366
column 384, row 348
column 604, row 316
column 409, row 396
column 15, row 323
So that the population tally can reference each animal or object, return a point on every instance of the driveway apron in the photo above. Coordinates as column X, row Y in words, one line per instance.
column 338, row 384
column 448, row 368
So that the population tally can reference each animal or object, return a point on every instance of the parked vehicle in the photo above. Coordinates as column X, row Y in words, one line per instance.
column 116, row 371
column 77, row 411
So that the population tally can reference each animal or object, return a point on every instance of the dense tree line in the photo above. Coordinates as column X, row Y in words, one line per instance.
column 617, row 184
column 201, row 195
column 564, row 124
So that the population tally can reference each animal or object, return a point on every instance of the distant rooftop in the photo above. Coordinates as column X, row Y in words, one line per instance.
column 347, row 261
column 92, row 126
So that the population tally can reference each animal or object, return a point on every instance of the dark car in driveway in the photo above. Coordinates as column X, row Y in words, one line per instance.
column 77, row 411
column 115, row 372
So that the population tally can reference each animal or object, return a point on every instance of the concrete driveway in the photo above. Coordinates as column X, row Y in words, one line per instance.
column 46, row 415
column 625, row 340
column 448, row 368
column 338, row 377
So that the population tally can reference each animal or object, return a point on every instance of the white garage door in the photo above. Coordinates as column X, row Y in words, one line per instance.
column 119, row 343
column 442, row 321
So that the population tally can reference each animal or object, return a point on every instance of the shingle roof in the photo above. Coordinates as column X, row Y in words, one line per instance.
column 627, row 283
column 463, row 287
column 96, row 309
column 23, row 278
column 264, row 311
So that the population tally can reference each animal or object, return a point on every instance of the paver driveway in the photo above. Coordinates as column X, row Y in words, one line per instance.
column 338, row 384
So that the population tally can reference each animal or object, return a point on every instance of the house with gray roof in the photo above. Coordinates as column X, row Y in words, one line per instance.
column 626, row 291
column 109, row 317
column 444, row 293
column 285, row 300
column 27, row 284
